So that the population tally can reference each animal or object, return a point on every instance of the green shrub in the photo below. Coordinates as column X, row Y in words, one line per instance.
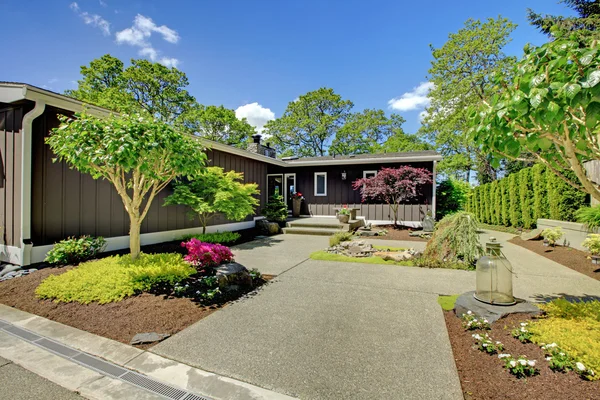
column 216, row 237
column 592, row 243
column 505, row 202
column 540, row 192
column 525, row 198
column 589, row 216
column 75, row 250
column 455, row 240
column 515, row 201
column 339, row 237
column 114, row 278
column 452, row 195
column 275, row 210
column 552, row 235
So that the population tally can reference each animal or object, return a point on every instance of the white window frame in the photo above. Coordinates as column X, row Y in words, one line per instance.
column 369, row 172
column 324, row 174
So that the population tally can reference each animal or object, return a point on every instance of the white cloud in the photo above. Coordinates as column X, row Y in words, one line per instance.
column 415, row 100
column 256, row 115
column 152, row 54
column 102, row 3
column 169, row 62
column 94, row 20
column 142, row 29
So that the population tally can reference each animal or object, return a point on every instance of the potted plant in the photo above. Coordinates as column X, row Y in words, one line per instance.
column 344, row 215
column 592, row 243
column 296, row 203
column 551, row 235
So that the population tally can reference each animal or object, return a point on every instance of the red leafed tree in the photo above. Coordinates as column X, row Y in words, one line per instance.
column 393, row 186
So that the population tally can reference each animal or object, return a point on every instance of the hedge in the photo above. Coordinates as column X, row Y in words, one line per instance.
column 521, row 198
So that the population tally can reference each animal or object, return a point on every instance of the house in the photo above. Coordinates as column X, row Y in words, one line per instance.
column 42, row 202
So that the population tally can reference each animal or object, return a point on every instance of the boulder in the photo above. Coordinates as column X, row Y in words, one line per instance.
column 151, row 337
column 394, row 255
column 232, row 274
column 267, row 228
column 466, row 302
column 6, row 268
column 535, row 234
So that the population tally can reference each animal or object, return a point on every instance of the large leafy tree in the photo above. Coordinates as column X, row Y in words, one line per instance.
column 393, row 186
column 461, row 71
column 587, row 19
column 144, row 86
column 550, row 110
column 217, row 123
column 139, row 156
column 364, row 132
column 214, row 192
column 402, row 142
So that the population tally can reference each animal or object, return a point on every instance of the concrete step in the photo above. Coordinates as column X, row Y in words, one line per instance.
column 311, row 231
column 333, row 224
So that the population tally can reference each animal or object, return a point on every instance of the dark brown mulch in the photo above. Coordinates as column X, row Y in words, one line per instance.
column 397, row 233
column 567, row 256
column 483, row 376
column 118, row 321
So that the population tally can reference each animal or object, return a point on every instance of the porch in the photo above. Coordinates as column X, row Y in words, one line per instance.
column 325, row 226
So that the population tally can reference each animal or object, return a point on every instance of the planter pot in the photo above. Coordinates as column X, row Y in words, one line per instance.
column 296, row 204
column 344, row 219
column 596, row 260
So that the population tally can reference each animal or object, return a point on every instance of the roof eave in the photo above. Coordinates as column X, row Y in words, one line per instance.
column 384, row 160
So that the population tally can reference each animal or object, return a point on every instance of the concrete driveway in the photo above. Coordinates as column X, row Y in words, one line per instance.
column 328, row 330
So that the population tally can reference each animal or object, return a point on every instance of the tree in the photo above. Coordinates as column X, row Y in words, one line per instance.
column 144, row 86
column 587, row 19
column 452, row 195
column 218, row 124
column 393, row 186
column 309, row 123
column 365, row 131
column 139, row 156
column 461, row 73
column 275, row 210
column 551, row 110
column 214, row 192
column 403, row 142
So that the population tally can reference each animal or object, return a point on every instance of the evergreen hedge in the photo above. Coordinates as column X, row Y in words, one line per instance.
column 521, row 198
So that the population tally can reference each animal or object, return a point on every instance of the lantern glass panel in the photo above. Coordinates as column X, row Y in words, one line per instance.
column 494, row 277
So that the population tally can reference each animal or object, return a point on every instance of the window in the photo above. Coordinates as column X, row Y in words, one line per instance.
column 369, row 174
column 320, row 183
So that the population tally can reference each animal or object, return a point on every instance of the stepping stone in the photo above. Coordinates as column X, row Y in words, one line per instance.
column 466, row 302
column 533, row 235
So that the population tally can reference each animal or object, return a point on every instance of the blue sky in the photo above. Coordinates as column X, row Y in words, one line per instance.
column 254, row 56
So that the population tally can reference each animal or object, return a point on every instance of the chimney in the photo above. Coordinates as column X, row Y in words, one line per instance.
column 257, row 148
column 256, row 138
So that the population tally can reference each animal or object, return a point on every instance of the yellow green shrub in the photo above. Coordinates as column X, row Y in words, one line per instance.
column 114, row 278
column 574, row 327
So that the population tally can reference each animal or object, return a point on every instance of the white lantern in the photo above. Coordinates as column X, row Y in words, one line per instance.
column 494, row 276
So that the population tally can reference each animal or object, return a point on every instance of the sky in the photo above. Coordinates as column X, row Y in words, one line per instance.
column 256, row 56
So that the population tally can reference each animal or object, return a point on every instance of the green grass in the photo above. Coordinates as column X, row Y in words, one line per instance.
column 322, row 255
column 447, row 302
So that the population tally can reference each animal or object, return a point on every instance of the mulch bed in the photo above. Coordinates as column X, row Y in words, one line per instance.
column 397, row 233
column 569, row 257
column 483, row 376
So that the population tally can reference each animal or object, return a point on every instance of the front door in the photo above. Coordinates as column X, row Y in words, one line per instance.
column 275, row 185
column 290, row 189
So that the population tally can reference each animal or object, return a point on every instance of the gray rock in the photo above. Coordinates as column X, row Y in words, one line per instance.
column 267, row 228
column 367, row 233
column 466, row 302
column 533, row 235
column 428, row 224
column 142, row 338
column 233, row 274
column 7, row 268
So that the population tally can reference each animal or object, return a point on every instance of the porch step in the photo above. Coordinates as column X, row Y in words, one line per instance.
column 325, row 223
column 311, row 231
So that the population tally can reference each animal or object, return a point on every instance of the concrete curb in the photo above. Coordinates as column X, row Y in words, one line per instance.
column 94, row 385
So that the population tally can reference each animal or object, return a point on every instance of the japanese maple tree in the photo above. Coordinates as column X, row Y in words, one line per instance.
column 393, row 186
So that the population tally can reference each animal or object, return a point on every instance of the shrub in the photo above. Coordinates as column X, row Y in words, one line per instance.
column 520, row 367
column 75, row 250
column 339, row 237
column 470, row 322
column 114, row 278
column 592, row 243
column 514, row 200
column 589, row 216
column 455, row 239
column 522, row 334
column 525, row 198
column 552, row 235
column 275, row 210
column 206, row 255
column 487, row 345
column 452, row 195
column 216, row 237
column 540, row 192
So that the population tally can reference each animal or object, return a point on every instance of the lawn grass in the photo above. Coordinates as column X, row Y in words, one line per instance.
column 447, row 302
column 322, row 255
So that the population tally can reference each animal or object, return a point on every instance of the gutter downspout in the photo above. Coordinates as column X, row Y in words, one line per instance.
column 433, row 191
column 26, row 159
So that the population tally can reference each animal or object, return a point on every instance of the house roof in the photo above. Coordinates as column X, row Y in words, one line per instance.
column 16, row 91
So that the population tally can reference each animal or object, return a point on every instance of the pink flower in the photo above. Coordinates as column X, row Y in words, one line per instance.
column 205, row 255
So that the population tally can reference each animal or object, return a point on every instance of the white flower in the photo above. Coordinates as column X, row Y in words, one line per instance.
column 562, row 354
column 497, row 342
column 503, row 355
column 531, row 363
column 469, row 312
column 551, row 345
column 523, row 323
column 513, row 363
column 485, row 345
column 523, row 330
column 580, row 366
column 485, row 321
column 548, row 358
column 522, row 362
column 476, row 336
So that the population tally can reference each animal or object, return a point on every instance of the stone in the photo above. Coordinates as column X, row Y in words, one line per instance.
column 232, row 274
column 394, row 255
column 466, row 302
column 367, row 233
column 535, row 234
column 428, row 224
column 151, row 337
column 7, row 268
column 267, row 228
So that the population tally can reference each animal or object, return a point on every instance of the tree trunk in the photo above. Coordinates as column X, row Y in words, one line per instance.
column 134, row 236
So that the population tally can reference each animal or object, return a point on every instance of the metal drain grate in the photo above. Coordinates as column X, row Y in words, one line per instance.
column 99, row 365
column 152, row 385
column 104, row 367
column 22, row 333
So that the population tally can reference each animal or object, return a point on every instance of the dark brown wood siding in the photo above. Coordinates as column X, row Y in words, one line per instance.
column 11, row 120
column 67, row 203
column 340, row 192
